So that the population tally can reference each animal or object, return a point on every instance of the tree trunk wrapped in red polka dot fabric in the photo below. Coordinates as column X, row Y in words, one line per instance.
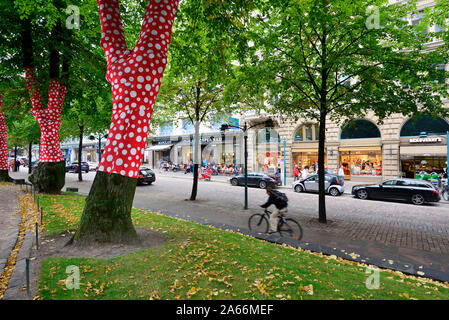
column 3, row 145
column 135, row 76
column 49, row 118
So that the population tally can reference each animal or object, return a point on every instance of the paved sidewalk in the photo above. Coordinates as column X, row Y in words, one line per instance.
column 9, row 222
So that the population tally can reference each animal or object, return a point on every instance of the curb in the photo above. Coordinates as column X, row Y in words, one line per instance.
column 18, row 277
column 4, row 255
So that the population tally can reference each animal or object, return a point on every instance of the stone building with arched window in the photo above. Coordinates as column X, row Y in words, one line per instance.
column 367, row 150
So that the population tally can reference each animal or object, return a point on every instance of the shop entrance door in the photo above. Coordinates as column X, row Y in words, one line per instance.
column 408, row 169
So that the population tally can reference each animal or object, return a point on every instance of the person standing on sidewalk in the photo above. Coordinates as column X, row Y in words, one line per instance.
column 341, row 172
column 295, row 173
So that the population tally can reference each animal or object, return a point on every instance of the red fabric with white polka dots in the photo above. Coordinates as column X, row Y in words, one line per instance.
column 49, row 119
column 135, row 76
column 3, row 138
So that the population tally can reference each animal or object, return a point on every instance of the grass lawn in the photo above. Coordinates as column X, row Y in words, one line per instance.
column 199, row 262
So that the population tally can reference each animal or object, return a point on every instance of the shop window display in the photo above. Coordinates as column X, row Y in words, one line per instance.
column 423, row 168
column 268, row 161
column 307, row 160
column 361, row 163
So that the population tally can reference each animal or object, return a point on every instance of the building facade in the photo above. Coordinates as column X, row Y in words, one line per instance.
column 174, row 143
column 367, row 151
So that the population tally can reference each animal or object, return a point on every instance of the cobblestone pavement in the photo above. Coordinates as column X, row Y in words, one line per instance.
column 9, row 223
column 390, row 230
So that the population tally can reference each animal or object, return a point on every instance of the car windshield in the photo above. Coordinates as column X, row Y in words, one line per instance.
column 145, row 172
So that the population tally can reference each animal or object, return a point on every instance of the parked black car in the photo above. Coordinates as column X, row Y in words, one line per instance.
column 73, row 167
column 415, row 191
column 146, row 175
column 255, row 179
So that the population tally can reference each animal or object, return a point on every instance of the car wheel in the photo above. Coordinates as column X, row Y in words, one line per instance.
column 234, row 182
column 418, row 199
column 362, row 194
column 87, row 171
column 262, row 184
column 334, row 192
column 298, row 188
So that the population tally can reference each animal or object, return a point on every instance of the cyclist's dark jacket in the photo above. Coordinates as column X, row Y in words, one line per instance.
column 273, row 199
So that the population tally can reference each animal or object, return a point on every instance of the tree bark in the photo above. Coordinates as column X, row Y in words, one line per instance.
column 49, row 177
column 16, row 168
column 196, row 160
column 107, row 214
column 4, row 176
column 30, row 157
column 51, row 161
column 321, row 156
column 80, row 153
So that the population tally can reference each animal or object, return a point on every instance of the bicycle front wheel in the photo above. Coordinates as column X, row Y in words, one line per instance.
column 290, row 228
column 258, row 223
column 445, row 195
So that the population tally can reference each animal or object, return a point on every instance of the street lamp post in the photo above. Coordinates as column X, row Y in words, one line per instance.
column 245, row 128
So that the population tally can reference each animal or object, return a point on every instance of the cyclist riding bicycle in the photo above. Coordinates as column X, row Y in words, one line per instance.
column 280, row 201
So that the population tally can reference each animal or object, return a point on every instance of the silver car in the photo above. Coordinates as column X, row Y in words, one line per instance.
column 333, row 184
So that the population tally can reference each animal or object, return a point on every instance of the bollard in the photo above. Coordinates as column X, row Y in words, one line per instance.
column 37, row 236
column 42, row 215
column 27, row 270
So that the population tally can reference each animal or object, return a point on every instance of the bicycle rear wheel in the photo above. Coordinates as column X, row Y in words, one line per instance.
column 290, row 228
column 258, row 223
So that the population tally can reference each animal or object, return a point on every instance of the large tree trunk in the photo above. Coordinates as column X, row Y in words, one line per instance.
column 49, row 177
column 106, row 216
column 321, row 156
column 135, row 77
column 51, row 160
column 30, row 157
column 16, row 168
column 80, row 153
column 196, row 160
column 4, row 176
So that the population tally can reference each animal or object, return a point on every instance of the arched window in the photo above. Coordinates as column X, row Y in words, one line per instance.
column 425, row 125
column 267, row 135
column 307, row 132
column 360, row 129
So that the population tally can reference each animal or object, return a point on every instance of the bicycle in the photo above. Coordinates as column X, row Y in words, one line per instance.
column 289, row 227
column 445, row 192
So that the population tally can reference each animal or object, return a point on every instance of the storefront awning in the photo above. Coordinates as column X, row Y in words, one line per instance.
column 423, row 150
column 160, row 147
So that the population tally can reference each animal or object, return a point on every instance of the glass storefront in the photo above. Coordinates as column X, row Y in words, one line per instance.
column 187, row 154
column 306, row 158
column 267, row 162
column 422, row 167
column 361, row 162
